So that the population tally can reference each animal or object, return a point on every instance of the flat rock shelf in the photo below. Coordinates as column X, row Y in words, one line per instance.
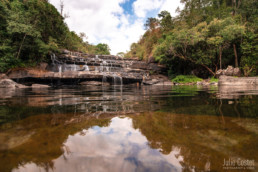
column 70, row 69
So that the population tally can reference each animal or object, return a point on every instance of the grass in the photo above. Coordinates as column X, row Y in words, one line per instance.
column 214, row 79
column 186, row 79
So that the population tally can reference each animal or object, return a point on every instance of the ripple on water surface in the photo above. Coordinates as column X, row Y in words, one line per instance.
column 127, row 128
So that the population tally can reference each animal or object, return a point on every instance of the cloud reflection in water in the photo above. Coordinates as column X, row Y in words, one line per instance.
column 118, row 147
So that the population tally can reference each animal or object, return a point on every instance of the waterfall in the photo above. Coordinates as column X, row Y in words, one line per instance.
column 117, row 80
column 86, row 67
column 60, row 69
column 53, row 58
column 104, row 79
column 73, row 68
column 96, row 69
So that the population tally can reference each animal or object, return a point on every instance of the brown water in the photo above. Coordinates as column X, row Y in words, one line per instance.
column 128, row 128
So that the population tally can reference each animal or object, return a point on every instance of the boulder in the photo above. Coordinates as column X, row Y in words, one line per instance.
column 3, row 76
column 237, row 72
column 237, row 81
column 165, row 83
column 64, row 51
column 8, row 83
column 39, row 86
column 150, row 82
column 230, row 71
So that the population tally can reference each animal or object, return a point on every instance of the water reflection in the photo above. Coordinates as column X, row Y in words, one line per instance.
column 125, row 129
column 146, row 142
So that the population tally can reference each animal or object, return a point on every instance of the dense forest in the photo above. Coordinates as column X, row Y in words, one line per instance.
column 32, row 29
column 207, row 35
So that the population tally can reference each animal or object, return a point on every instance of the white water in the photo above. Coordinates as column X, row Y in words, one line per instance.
column 86, row 67
column 60, row 69
column 117, row 80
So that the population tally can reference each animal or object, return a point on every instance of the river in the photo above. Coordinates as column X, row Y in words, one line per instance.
column 128, row 128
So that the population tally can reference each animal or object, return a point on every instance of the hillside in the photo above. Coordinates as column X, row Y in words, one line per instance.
column 31, row 30
column 205, row 36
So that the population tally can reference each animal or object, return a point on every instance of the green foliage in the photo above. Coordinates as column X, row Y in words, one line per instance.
column 213, row 79
column 30, row 30
column 206, row 35
column 121, row 54
column 102, row 49
column 249, row 60
column 186, row 79
column 166, row 21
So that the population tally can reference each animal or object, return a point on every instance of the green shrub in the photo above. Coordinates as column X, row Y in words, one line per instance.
column 186, row 79
column 213, row 79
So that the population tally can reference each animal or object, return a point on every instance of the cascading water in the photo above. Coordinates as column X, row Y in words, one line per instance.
column 117, row 80
column 109, row 68
column 60, row 69
column 53, row 58
column 86, row 67
column 104, row 79
column 74, row 67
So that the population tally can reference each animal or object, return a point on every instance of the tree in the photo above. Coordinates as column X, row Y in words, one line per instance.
column 166, row 22
column 102, row 49
column 151, row 23
column 121, row 54
column 20, row 25
column 249, row 61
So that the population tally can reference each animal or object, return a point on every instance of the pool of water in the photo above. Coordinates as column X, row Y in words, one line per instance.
column 129, row 128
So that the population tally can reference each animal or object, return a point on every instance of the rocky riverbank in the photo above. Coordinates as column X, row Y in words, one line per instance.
column 237, row 81
column 75, row 68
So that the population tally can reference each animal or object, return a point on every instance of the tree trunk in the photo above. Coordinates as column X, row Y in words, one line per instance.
column 206, row 67
column 21, row 46
column 220, row 57
column 203, row 65
column 235, row 52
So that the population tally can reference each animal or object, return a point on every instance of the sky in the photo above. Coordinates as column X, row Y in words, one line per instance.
column 117, row 23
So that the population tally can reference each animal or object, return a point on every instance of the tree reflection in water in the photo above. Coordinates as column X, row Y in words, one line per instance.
column 147, row 129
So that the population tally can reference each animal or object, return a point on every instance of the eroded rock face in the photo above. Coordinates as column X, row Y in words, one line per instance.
column 3, row 76
column 78, row 67
column 43, row 66
column 230, row 71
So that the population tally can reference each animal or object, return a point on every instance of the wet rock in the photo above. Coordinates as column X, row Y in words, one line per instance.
column 3, row 76
column 96, row 83
column 39, row 86
column 8, row 83
column 64, row 51
column 69, row 67
column 237, row 81
column 165, row 83
column 16, row 74
column 150, row 82
column 214, row 83
column 203, row 83
column 230, row 71
column 237, row 72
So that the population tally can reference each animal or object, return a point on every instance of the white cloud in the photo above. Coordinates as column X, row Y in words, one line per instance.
column 171, row 6
column 105, row 21
column 141, row 7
